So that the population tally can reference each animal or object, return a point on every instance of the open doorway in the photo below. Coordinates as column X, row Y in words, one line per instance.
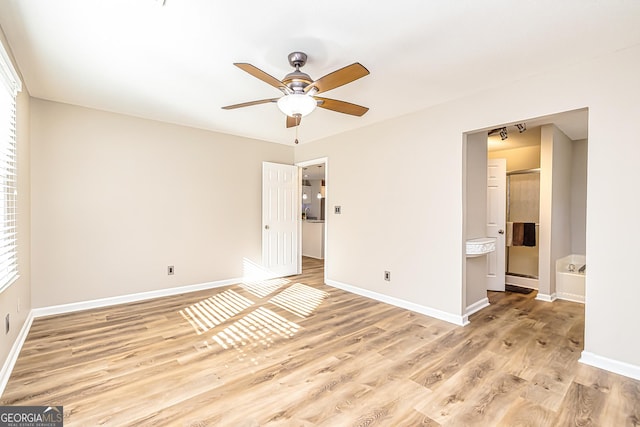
column 313, row 213
column 521, row 151
column 551, row 152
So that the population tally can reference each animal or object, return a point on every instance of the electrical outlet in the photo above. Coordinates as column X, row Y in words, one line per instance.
column 170, row 270
column 387, row 276
column 337, row 210
column 7, row 323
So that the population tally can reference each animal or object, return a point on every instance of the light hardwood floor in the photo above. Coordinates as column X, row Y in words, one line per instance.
column 295, row 352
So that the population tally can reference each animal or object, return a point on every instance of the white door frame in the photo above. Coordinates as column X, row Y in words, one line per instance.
column 301, row 165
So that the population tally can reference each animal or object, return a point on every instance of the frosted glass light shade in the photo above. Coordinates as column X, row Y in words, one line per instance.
column 297, row 103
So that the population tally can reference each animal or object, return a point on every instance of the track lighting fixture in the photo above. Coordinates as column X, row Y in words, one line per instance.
column 503, row 130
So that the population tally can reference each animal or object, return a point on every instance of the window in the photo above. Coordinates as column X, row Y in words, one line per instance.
column 10, row 85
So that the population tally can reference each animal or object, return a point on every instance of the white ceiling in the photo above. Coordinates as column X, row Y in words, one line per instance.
column 173, row 62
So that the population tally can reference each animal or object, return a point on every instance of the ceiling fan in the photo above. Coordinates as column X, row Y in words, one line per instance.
column 299, row 90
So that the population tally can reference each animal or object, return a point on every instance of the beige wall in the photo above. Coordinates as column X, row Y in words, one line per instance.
column 16, row 299
column 555, row 205
column 407, row 219
column 475, row 275
column 579, row 198
column 521, row 158
column 416, row 230
column 117, row 199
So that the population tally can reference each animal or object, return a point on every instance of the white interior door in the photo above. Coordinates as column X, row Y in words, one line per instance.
column 496, row 221
column 280, row 219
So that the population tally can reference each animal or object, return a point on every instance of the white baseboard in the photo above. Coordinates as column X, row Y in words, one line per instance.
column 570, row 297
column 5, row 373
column 11, row 359
column 477, row 306
column 524, row 282
column 427, row 311
column 546, row 297
column 123, row 299
column 611, row 365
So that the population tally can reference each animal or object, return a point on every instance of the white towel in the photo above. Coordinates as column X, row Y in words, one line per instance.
column 509, row 236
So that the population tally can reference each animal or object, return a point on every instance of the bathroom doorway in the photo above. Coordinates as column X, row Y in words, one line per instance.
column 547, row 168
column 546, row 197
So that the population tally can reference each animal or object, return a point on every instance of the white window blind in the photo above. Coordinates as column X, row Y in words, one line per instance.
column 9, row 87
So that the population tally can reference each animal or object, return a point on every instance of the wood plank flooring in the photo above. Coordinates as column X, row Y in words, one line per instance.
column 295, row 352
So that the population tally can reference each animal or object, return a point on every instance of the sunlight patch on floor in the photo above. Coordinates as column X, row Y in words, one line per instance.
column 263, row 288
column 259, row 327
column 214, row 310
column 299, row 299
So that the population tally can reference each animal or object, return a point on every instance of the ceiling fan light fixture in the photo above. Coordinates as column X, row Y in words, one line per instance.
column 297, row 103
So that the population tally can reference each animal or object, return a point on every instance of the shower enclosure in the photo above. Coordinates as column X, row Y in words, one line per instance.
column 523, row 206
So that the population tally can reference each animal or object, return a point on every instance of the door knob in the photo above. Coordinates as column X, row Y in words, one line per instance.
column 500, row 231
column 266, row 227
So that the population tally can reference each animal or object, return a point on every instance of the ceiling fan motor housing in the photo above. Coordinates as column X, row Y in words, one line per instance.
column 297, row 80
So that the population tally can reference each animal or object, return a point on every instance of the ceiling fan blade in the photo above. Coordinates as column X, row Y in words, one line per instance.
column 339, row 77
column 250, row 103
column 341, row 106
column 267, row 78
column 293, row 121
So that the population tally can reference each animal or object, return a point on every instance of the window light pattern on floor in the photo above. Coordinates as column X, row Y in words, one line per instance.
column 299, row 299
column 263, row 288
column 214, row 310
column 260, row 327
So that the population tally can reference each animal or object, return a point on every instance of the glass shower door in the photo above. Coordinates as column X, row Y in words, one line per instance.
column 523, row 206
